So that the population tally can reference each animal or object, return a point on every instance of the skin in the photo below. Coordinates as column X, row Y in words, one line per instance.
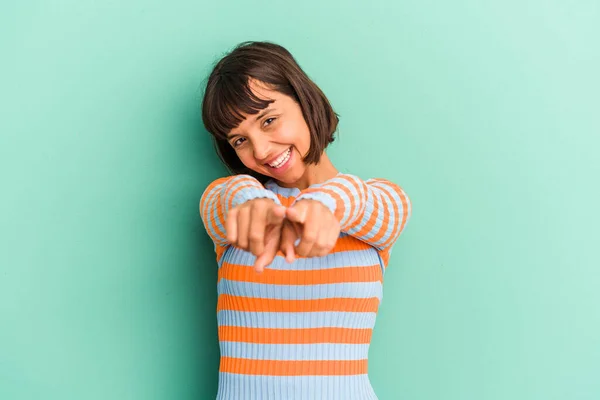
column 261, row 226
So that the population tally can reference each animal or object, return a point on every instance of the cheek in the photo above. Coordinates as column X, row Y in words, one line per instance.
column 247, row 158
column 297, row 134
column 303, row 140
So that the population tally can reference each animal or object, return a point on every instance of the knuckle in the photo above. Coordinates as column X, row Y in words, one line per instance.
column 260, row 203
column 310, row 236
column 254, row 237
column 321, row 248
column 243, row 213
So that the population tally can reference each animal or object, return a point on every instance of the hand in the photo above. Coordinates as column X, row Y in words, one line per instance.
column 316, row 226
column 290, row 232
column 256, row 226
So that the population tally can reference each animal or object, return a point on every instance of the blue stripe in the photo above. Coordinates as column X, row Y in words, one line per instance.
column 234, row 184
column 256, row 387
column 295, row 352
column 341, row 259
column 361, row 290
column 294, row 320
column 324, row 198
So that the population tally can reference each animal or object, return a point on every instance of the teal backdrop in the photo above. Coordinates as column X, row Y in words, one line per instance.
column 486, row 112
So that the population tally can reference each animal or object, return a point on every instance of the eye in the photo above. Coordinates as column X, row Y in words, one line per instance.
column 237, row 142
column 268, row 121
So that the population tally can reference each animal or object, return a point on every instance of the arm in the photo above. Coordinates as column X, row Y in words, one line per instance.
column 221, row 196
column 374, row 211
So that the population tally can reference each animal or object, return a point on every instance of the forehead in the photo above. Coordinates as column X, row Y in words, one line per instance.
column 262, row 91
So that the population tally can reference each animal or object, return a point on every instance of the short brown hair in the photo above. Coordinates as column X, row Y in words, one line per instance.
column 228, row 95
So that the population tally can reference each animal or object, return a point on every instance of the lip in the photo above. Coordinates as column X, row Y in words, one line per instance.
column 284, row 167
column 276, row 157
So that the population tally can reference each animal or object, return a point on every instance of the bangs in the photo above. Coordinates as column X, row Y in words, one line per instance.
column 227, row 101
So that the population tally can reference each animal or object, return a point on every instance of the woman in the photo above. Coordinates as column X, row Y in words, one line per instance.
column 301, row 248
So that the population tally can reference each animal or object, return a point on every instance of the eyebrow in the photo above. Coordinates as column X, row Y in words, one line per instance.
column 262, row 114
column 259, row 116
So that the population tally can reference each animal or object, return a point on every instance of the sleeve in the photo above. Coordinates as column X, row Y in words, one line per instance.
column 221, row 196
column 375, row 211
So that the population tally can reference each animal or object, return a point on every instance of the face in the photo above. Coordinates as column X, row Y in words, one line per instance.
column 273, row 141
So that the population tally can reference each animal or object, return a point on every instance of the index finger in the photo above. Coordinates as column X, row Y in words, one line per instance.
column 276, row 215
column 231, row 226
column 309, row 235
column 258, row 225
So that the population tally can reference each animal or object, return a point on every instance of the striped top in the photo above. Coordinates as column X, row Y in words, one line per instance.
column 302, row 330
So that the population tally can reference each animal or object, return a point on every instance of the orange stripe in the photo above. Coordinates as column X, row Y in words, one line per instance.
column 238, row 303
column 220, row 250
column 385, row 225
column 405, row 200
column 210, row 188
column 294, row 336
column 243, row 273
column 207, row 198
column 352, row 205
column 209, row 203
column 369, row 225
column 350, row 243
column 387, row 221
column 385, row 257
column 360, row 189
column 396, row 211
column 285, row 201
column 247, row 366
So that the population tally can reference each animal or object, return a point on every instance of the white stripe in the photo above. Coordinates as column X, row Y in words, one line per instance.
column 297, row 320
column 340, row 259
column 357, row 290
column 259, row 387
column 295, row 352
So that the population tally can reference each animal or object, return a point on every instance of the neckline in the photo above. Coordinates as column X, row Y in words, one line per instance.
column 272, row 185
column 284, row 191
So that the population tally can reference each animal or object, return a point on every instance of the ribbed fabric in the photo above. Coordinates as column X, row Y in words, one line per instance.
column 302, row 330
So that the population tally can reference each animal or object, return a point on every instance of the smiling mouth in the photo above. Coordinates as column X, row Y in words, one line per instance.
column 281, row 160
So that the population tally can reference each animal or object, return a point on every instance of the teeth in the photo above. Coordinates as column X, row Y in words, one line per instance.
column 281, row 159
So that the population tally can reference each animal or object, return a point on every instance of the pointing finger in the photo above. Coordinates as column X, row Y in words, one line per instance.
column 231, row 226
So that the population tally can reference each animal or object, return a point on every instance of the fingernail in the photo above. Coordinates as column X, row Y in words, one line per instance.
column 296, row 242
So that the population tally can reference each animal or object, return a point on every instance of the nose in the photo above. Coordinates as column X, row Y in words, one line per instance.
column 261, row 149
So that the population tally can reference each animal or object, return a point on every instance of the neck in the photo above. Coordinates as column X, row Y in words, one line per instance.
column 314, row 173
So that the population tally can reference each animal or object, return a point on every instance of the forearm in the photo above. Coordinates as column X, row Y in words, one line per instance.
column 374, row 211
column 224, row 194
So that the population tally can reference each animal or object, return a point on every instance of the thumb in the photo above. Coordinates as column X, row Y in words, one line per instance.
column 276, row 215
column 288, row 236
column 296, row 215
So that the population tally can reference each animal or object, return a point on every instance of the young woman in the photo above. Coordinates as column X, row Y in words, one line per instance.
column 301, row 248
